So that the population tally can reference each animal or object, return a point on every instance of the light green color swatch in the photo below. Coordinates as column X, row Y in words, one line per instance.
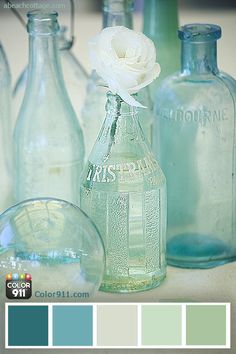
column 161, row 325
column 206, row 324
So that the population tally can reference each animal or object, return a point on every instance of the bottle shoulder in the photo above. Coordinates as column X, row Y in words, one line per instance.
column 230, row 82
column 180, row 88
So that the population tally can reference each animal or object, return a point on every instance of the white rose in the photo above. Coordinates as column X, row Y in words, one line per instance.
column 125, row 60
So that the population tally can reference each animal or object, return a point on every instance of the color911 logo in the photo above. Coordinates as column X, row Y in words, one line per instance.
column 18, row 286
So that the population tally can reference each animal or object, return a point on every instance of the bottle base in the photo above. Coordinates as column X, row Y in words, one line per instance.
column 131, row 285
column 198, row 251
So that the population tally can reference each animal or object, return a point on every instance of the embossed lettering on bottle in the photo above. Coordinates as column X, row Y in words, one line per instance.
column 126, row 170
column 202, row 116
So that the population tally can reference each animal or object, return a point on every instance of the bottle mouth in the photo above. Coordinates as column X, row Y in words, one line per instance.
column 199, row 32
column 118, row 6
column 42, row 22
column 42, row 15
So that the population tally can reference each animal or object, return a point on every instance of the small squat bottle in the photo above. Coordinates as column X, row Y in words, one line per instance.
column 194, row 131
column 48, row 141
column 123, row 190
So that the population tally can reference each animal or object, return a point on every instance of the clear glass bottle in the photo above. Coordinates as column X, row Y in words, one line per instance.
column 75, row 78
column 194, row 130
column 115, row 13
column 160, row 24
column 123, row 191
column 5, row 132
column 49, row 149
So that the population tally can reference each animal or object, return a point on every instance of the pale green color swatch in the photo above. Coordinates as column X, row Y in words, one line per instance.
column 161, row 325
column 206, row 324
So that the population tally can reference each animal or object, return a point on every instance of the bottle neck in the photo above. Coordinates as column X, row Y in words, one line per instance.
column 118, row 13
column 161, row 20
column 199, row 57
column 121, row 119
column 44, row 63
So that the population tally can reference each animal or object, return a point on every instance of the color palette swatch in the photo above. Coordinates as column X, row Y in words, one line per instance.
column 118, row 325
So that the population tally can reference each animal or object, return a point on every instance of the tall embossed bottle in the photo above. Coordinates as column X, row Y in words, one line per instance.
column 115, row 13
column 194, row 131
column 48, row 141
column 123, row 190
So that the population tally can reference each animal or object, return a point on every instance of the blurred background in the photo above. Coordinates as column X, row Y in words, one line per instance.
column 88, row 22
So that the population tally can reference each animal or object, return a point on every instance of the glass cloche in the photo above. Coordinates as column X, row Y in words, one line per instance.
column 55, row 245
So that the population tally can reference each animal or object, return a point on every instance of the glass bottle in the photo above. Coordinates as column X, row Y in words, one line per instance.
column 160, row 24
column 49, row 149
column 195, row 132
column 115, row 13
column 75, row 78
column 5, row 132
column 123, row 191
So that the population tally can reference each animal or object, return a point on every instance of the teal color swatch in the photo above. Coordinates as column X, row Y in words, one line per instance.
column 161, row 325
column 206, row 324
column 28, row 326
column 73, row 325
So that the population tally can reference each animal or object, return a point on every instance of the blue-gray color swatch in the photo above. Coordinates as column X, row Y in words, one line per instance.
column 73, row 325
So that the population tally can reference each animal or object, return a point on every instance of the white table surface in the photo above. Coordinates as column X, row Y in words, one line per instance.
column 216, row 285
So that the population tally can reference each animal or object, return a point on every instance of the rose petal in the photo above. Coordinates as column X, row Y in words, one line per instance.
column 150, row 77
column 125, row 60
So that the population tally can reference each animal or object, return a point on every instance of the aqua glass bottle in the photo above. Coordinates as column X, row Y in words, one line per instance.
column 160, row 24
column 75, row 77
column 5, row 132
column 48, row 141
column 123, row 191
column 115, row 13
column 195, row 133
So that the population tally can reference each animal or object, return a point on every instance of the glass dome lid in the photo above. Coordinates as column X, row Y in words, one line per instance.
column 56, row 245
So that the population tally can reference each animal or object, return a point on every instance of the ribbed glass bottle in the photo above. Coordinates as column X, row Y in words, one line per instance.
column 49, row 149
column 5, row 133
column 123, row 191
column 115, row 13
column 74, row 75
column 160, row 23
column 195, row 123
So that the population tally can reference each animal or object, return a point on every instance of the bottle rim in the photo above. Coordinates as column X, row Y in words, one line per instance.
column 42, row 23
column 118, row 6
column 199, row 32
column 41, row 15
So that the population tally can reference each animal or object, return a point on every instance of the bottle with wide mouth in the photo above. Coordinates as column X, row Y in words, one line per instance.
column 123, row 191
column 115, row 13
column 195, row 126
column 74, row 75
column 48, row 141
